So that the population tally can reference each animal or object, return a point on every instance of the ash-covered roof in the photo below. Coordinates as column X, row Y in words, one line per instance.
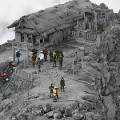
column 53, row 18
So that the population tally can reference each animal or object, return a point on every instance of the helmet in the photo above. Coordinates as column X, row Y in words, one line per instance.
column 55, row 87
column 51, row 84
column 41, row 51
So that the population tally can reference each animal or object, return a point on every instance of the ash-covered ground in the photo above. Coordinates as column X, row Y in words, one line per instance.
column 92, row 93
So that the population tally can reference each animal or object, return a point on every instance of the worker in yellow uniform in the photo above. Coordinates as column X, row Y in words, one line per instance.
column 55, row 94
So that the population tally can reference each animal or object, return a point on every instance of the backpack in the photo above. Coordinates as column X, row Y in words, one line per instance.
column 18, row 54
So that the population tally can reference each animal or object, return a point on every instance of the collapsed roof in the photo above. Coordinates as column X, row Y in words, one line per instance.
column 54, row 18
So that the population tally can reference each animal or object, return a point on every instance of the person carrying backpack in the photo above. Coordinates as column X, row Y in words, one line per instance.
column 18, row 54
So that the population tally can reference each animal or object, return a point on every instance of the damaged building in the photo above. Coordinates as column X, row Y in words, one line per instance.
column 58, row 23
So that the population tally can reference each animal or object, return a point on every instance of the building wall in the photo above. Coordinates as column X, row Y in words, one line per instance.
column 25, row 37
column 18, row 36
column 57, row 36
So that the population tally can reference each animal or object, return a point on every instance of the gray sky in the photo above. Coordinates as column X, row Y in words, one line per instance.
column 10, row 10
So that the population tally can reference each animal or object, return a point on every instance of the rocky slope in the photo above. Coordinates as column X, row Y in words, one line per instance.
column 92, row 93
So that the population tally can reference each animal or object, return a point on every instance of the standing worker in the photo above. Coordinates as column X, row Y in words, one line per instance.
column 18, row 54
column 54, row 60
column 57, row 54
column 33, row 59
column 51, row 55
column 60, row 60
column 41, row 56
column 55, row 94
column 62, row 84
column 51, row 89
column 38, row 64
column 45, row 52
column 34, row 56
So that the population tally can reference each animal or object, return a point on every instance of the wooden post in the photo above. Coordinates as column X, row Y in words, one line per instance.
column 27, row 53
column 39, row 44
column 13, row 52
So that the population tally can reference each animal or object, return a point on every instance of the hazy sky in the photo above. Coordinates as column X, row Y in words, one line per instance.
column 10, row 10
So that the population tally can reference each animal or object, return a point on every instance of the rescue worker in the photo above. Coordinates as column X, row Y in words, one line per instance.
column 45, row 52
column 41, row 56
column 34, row 51
column 57, row 54
column 54, row 60
column 62, row 84
column 38, row 64
column 34, row 56
column 51, row 90
column 51, row 55
column 55, row 94
column 18, row 54
column 60, row 61
column 61, row 52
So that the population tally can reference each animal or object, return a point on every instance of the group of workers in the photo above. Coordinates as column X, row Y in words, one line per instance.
column 54, row 90
column 56, row 56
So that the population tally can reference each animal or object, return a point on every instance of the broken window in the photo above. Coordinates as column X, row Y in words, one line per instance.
column 22, row 38
column 41, row 41
column 34, row 39
column 29, row 39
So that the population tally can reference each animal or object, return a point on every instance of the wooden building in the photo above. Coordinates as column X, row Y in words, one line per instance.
column 50, row 25
column 55, row 24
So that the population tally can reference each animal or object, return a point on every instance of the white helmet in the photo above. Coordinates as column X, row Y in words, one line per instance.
column 41, row 51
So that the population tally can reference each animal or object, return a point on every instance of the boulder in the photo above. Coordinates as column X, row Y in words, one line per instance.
column 75, row 111
column 112, row 64
column 35, row 110
column 68, row 112
column 57, row 115
column 87, row 58
column 23, row 117
column 74, row 105
column 90, row 98
column 48, row 107
column 1, row 97
column 92, row 116
column 38, row 112
column 96, row 66
column 1, row 108
column 8, row 108
column 49, row 114
column 62, row 110
column 113, row 68
column 78, row 116
column 13, row 118
column 88, row 106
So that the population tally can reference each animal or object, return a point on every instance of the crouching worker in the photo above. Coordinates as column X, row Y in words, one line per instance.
column 51, row 90
column 55, row 94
